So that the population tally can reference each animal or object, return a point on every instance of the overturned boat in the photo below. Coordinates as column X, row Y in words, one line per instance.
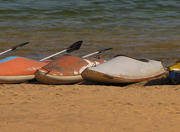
column 16, row 69
column 124, row 69
column 65, row 70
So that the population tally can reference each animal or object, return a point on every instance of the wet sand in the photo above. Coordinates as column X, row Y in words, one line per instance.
column 89, row 108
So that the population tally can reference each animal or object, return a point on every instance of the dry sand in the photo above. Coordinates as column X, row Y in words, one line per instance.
column 89, row 108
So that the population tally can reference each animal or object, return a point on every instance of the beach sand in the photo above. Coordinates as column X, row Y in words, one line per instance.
column 89, row 108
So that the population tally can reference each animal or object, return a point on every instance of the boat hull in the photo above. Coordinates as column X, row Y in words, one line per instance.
column 64, row 70
column 15, row 79
column 18, row 69
column 45, row 78
column 94, row 76
column 124, row 70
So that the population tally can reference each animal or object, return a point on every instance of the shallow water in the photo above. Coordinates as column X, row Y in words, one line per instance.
column 140, row 28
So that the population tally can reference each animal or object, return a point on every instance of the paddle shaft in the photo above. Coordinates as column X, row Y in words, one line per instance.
column 91, row 54
column 53, row 55
column 97, row 52
column 88, row 55
column 71, row 48
column 5, row 51
column 14, row 48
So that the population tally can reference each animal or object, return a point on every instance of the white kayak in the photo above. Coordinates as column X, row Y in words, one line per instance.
column 123, row 69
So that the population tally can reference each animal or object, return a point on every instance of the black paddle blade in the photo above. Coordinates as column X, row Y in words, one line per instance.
column 74, row 46
column 100, row 51
column 19, row 45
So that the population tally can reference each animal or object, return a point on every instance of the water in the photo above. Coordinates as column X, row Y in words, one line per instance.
column 140, row 28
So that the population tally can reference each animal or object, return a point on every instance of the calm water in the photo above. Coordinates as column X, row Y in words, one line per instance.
column 141, row 28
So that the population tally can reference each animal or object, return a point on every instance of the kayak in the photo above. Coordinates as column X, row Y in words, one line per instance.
column 174, row 73
column 64, row 70
column 15, row 69
column 123, row 69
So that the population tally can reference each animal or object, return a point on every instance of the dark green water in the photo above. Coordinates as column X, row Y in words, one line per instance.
column 142, row 28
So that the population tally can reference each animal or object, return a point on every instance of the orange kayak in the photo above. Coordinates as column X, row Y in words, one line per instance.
column 64, row 70
column 16, row 69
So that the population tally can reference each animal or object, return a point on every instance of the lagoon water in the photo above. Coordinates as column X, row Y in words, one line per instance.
column 140, row 28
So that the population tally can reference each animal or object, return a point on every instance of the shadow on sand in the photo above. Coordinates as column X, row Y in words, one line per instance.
column 164, row 80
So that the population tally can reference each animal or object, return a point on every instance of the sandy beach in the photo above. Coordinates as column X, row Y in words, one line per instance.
column 89, row 108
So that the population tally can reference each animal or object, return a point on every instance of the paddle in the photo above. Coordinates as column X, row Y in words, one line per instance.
column 14, row 48
column 95, row 53
column 73, row 47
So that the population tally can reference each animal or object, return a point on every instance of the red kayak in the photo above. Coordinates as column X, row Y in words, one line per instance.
column 64, row 70
column 16, row 69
